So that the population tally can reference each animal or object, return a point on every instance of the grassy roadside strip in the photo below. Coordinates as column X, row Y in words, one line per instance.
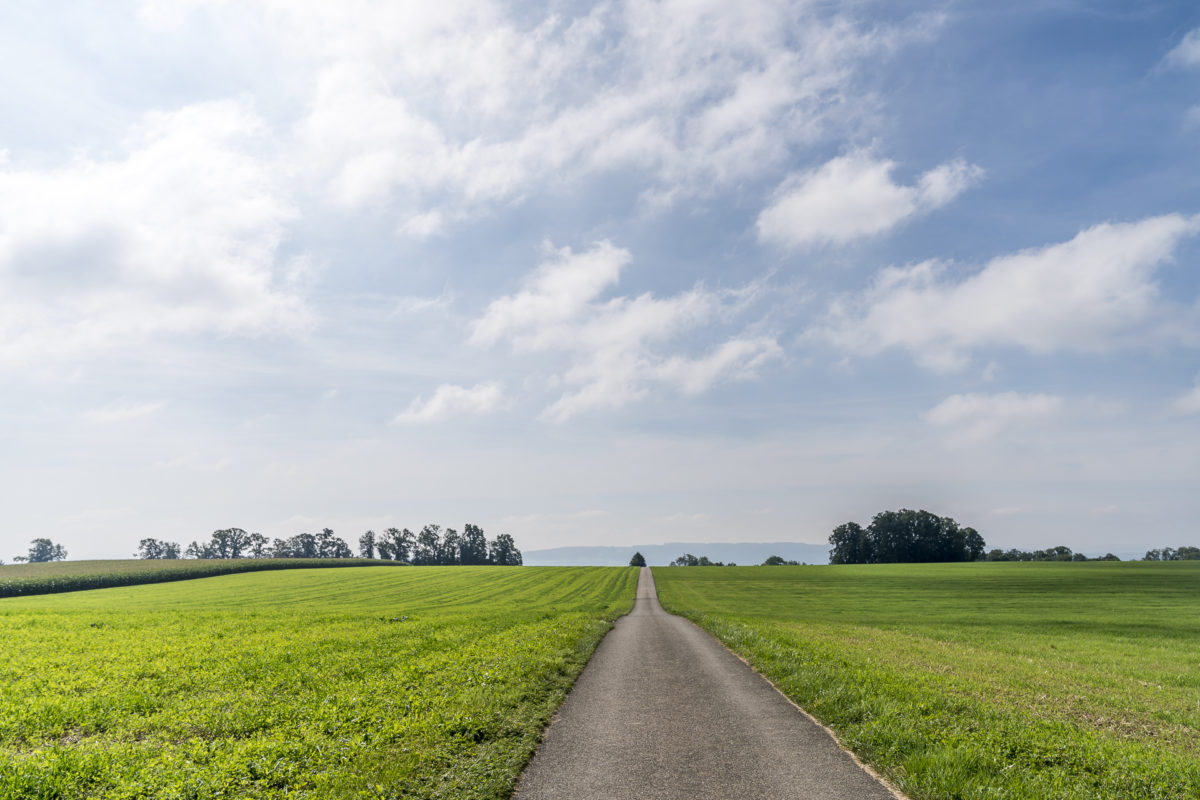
column 382, row 684
column 1028, row 696
column 17, row 580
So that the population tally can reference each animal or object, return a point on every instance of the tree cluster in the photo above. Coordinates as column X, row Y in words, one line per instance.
column 638, row 560
column 689, row 560
column 904, row 537
column 432, row 546
column 1173, row 554
column 1059, row 553
column 41, row 551
column 779, row 561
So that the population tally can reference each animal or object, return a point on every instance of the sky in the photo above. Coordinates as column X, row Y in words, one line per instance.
column 612, row 273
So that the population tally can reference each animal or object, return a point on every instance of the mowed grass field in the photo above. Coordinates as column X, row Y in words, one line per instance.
column 373, row 683
column 1032, row 681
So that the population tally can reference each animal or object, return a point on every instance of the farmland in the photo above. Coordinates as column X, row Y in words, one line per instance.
column 378, row 683
column 979, row 680
column 72, row 576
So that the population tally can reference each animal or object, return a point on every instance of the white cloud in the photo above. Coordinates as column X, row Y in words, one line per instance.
column 1189, row 402
column 449, row 401
column 978, row 417
column 614, row 346
column 178, row 235
column 854, row 196
column 1094, row 293
column 736, row 358
column 554, row 296
column 1187, row 52
column 445, row 110
column 122, row 412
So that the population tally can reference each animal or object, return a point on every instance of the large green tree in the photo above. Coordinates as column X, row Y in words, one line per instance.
column 428, row 546
column 503, row 552
column 473, row 548
column 153, row 548
column 366, row 545
column 395, row 544
column 904, row 536
column 43, row 550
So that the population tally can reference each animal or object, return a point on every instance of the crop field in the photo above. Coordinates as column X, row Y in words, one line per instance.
column 1036, row 681
column 372, row 683
column 72, row 576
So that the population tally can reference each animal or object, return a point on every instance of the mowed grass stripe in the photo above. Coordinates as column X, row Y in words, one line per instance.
column 305, row 683
column 980, row 680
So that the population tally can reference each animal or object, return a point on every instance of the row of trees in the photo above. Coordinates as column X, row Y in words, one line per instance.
column 904, row 536
column 1173, row 554
column 689, row 560
column 1060, row 553
column 431, row 546
column 1063, row 553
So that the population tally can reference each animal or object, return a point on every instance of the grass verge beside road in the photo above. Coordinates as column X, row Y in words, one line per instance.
column 979, row 680
column 367, row 683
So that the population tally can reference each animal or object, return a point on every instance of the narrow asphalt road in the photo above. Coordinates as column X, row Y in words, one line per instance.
column 664, row 711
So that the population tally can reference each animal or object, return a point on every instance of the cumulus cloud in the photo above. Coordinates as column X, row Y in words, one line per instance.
column 449, row 401
column 616, row 346
column 854, row 196
column 1187, row 52
column 179, row 234
column 1090, row 294
column 979, row 417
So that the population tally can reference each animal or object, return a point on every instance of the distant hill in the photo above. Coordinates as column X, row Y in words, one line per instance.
column 744, row 553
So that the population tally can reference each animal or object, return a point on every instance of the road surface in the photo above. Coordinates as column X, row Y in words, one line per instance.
column 664, row 711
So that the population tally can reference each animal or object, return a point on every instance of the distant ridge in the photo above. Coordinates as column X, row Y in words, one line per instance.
column 743, row 553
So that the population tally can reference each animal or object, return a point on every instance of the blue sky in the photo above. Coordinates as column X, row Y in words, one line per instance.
column 599, row 274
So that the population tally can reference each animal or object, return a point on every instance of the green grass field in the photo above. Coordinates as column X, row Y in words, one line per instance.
column 374, row 683
column 72, row 576
column 964, row 681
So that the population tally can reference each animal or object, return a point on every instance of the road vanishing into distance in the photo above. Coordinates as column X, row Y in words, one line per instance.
column 664, row 711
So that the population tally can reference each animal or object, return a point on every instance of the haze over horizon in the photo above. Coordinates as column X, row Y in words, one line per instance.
column 603, row 273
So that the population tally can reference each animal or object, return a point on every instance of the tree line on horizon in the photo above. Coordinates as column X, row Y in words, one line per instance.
column 1059, row 553
column 432, row 546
